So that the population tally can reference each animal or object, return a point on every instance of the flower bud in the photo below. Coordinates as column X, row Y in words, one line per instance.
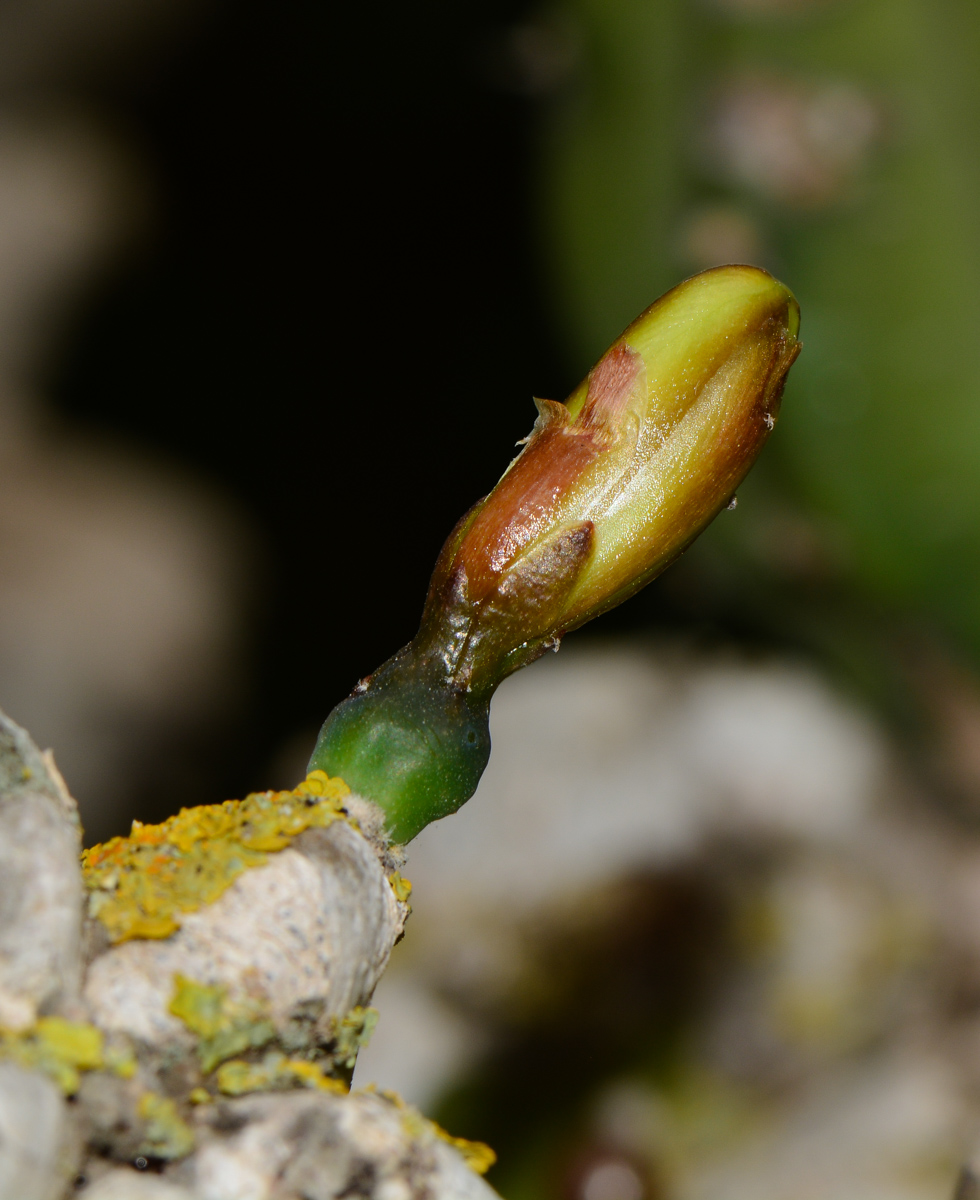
column 610, row 488
column 612, row 485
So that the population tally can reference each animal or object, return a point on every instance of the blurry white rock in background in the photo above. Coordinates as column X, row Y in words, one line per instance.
column 832, row 1057
column 605, row 759
column 120, row 580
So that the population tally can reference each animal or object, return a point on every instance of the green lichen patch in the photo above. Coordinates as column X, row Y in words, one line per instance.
column 61, row 1049
column 275, row 1072
column 225, row 1027
column 166, row 1134
column 139, row 885
column 203, row 1009
column 352, row 1034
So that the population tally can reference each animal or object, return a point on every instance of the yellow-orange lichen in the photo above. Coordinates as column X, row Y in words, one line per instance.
column 139, row 885
column 478, row 1156
column 274, row 1073
column 61, row 1049
column 401, row 886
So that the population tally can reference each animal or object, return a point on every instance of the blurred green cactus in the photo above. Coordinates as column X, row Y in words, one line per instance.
column 834, row 143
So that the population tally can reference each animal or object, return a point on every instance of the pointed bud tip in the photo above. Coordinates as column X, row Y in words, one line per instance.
column 720, row 301
column 713, row 356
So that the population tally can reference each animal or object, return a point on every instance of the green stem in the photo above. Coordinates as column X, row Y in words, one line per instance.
column 409, row 738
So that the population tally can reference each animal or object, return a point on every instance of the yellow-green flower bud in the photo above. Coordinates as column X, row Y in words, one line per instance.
column 613, row 485
column 610, row 488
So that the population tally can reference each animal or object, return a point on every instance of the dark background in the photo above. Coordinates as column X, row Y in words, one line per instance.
column 338, row 316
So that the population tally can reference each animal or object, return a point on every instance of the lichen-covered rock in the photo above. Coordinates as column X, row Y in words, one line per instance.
column 141, row 885
column 252, row 981
column 317, row 921
column 230, row 951
column 306, row 1146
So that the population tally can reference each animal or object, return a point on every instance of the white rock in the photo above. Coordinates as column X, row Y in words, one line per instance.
column 318, row 920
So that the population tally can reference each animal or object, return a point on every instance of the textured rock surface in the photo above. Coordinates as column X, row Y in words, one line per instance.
column 297, row 942
column 317, row 1147
column 131, row 1185
column 35, row 1139
column 318, row 921
column 304, row 1146
column 40, row 882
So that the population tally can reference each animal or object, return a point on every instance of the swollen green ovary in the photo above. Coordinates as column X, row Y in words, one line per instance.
column 412, row 742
